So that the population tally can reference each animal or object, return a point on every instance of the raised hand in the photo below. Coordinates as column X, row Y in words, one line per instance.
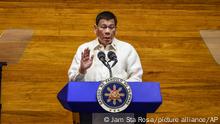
column 86, row 61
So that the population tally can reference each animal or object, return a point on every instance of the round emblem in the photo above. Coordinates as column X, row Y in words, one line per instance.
column 114, row 95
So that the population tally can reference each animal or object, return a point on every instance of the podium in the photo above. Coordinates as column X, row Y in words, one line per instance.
column 81, row 97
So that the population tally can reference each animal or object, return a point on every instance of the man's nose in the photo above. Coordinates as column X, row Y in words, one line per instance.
column 108, row 30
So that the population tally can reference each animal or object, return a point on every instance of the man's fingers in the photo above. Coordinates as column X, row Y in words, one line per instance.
column 86, row 52
column 86, row 58
column 82, row 55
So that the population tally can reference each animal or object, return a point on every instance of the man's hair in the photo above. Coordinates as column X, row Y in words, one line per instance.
column 106, row 15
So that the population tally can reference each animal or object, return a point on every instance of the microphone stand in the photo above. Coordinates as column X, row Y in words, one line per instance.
column 109, row 68
column 101, row 56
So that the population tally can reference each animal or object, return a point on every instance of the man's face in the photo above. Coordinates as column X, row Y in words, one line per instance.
column 105, row 31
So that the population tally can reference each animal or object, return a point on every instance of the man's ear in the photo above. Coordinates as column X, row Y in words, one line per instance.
column 95, row 28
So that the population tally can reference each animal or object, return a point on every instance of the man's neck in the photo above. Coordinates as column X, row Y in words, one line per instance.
column 104, row 45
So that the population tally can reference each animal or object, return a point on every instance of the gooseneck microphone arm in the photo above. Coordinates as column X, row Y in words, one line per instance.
column 101, row 56
column 110, row 70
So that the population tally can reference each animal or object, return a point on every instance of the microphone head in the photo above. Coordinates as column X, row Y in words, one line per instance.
column 112, row 55
column 101, row 56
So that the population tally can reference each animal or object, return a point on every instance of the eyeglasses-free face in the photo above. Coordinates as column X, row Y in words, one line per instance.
column 105, row 31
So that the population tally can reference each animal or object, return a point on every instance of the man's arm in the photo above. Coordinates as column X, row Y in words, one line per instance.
column 134, row 68
column 81, row 62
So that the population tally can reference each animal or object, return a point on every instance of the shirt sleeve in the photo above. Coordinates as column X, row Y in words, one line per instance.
column 134, row 68
column 73, row 72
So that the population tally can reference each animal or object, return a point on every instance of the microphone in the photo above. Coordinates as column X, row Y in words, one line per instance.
column 101, row 56
column 112, row 56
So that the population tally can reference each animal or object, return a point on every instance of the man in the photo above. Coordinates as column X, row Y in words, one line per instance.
column 87, row 67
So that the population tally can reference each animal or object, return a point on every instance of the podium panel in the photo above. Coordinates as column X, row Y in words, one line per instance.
column 81, row 97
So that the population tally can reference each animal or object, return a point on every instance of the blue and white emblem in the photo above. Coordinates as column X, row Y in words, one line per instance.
column 114, row 95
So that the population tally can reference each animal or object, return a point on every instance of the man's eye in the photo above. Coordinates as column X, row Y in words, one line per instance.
column 111, row 27
column 104, row 27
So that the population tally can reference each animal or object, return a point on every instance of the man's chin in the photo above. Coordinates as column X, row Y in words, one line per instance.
column 107, row 41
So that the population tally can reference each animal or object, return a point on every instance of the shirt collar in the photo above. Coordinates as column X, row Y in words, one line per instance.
column 98, row 46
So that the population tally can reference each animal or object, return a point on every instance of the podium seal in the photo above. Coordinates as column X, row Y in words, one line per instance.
column 114, row 95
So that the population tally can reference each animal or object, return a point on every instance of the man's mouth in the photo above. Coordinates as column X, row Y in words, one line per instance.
column 107, row 38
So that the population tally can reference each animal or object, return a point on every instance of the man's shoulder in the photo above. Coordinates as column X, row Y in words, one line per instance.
column 123, row 44
column 86, row 45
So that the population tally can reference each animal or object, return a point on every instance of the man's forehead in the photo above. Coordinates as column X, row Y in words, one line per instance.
column 107, row 22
